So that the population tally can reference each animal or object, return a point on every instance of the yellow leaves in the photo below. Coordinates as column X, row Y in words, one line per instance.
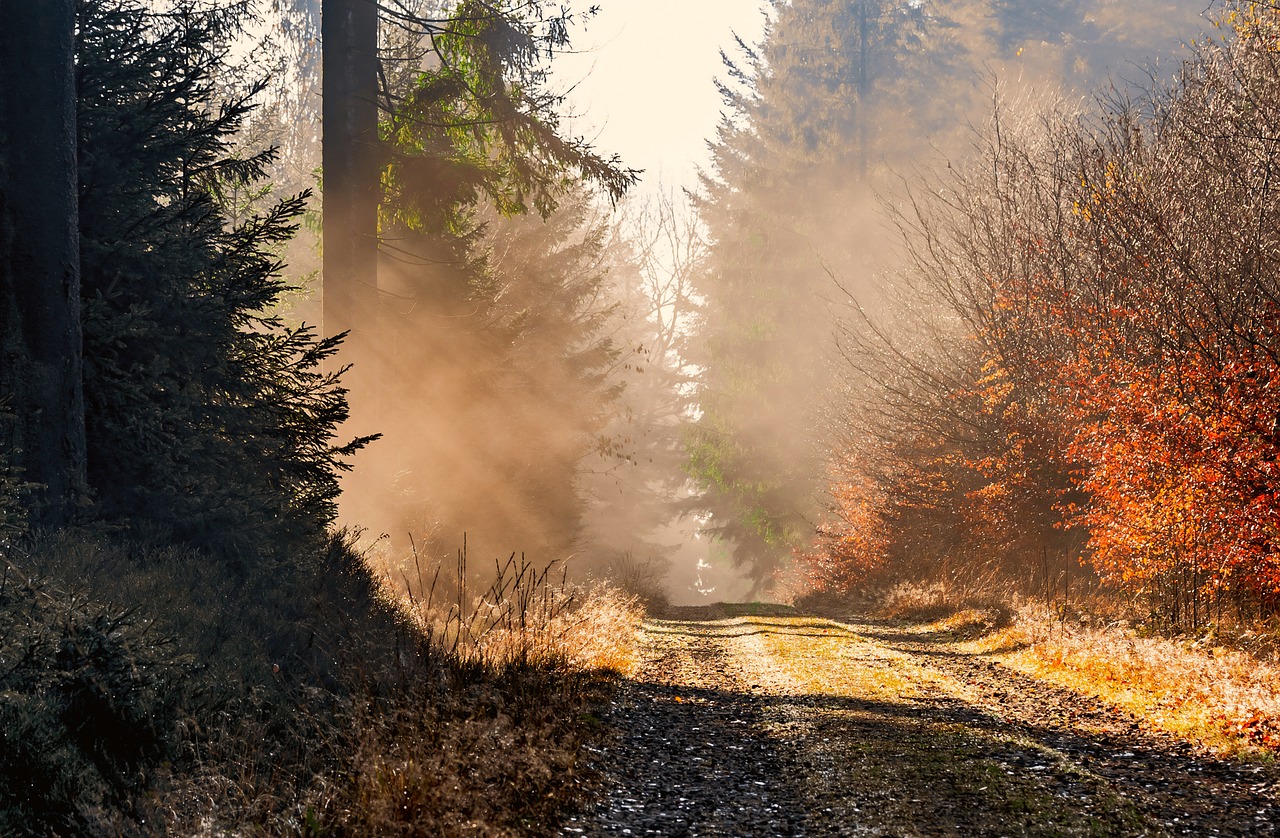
column 1259, row 25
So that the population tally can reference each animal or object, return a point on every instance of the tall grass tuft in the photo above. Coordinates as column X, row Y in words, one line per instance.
column 527, row 617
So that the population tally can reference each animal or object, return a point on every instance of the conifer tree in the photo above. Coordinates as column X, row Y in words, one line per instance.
column 486, row 347
column 498, row 354
column 351, row 165
column 781, row 207
column 208, row 417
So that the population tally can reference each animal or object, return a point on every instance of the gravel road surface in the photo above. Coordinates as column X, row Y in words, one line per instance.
column 757, row 720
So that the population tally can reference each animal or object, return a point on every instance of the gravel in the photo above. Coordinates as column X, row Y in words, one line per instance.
column 690, row 755
column 1184, row 789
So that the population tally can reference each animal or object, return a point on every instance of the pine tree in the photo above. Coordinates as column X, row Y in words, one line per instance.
column 496, row 362
column 487, row 354
column 351, row 166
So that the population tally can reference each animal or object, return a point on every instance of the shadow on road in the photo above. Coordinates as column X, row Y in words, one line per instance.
column 1023, row 735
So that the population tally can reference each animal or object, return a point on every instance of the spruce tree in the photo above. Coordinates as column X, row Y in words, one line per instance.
column 487, row 347
column 496, row 359
column 782, row 207
column 351, row 166
column 209, row 418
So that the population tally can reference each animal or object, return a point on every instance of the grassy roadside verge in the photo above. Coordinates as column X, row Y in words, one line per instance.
column 155, row 691
column 1223, row 697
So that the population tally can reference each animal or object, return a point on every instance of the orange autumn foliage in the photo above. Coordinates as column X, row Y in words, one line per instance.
column 854, row 543
column 1111, row 386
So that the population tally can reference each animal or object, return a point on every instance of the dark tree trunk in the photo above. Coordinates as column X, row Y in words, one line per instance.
column 349, row 32
column 40, row 331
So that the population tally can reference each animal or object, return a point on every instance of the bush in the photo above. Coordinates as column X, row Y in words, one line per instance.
column 88, row 706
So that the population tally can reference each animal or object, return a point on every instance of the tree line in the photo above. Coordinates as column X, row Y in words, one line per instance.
column 158, row 379
column 519, row 356
column 188, row 640
column 148, row 378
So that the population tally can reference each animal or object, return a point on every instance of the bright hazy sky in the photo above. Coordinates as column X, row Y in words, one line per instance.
column 645, row 72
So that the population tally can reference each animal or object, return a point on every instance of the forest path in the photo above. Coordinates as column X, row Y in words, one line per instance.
column 758, row 720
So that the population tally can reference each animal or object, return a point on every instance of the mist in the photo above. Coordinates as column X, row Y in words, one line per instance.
column 536, row 391
column 828, row 124
column 380, row 457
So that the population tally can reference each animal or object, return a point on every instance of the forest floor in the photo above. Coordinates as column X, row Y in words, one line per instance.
column 760, row 720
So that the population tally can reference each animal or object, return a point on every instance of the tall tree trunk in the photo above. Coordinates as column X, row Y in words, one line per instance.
column 40, row 329
column 349, row 31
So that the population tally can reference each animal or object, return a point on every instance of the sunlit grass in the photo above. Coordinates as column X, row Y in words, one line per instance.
column 1224, row 699
column 827, row 666
column 526, row 617
column 816, row 656
column 1227, row 700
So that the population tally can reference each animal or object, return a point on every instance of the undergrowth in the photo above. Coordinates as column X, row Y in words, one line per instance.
column 290, row 697
column 1225, row 698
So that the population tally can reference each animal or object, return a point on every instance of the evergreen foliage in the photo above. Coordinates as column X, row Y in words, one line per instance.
column 781, row 208
column 12, row 515
column 500, row 361
column 491, row 329
column 87, row 708
column 481, row 123
column 208, row 417
column 211, row 421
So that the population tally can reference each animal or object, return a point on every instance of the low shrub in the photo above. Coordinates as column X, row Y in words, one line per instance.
column 89, row 706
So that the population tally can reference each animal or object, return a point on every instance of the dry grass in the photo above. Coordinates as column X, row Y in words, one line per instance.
column 601, row 633
column 480, row 762
column 499, row 754
column 1226, row 699
column 916, row 602
column 824, row 662
column 309, row 700
column 527, row 616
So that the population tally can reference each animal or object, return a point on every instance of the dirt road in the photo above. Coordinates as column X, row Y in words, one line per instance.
column 756, row 720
